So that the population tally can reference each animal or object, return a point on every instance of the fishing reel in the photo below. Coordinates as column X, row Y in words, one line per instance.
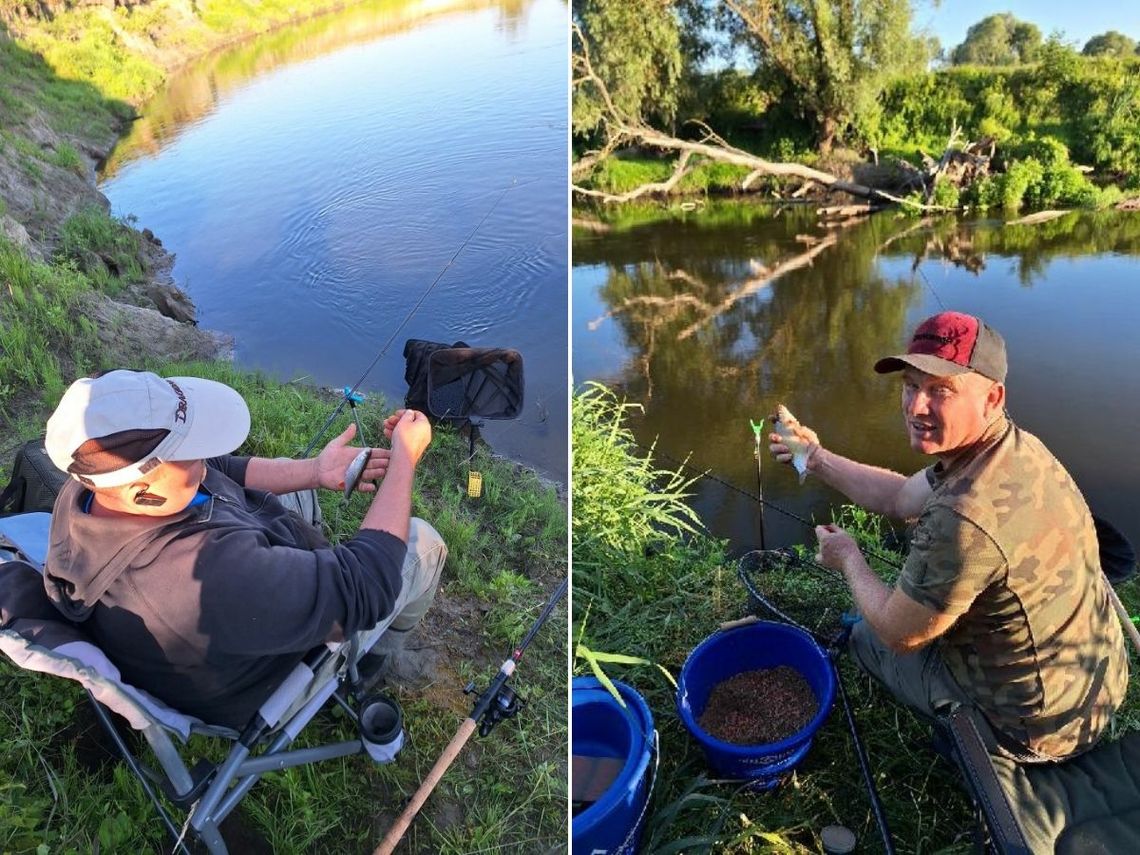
column 505, row 704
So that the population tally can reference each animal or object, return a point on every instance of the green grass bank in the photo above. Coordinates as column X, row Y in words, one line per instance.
column 645, row 585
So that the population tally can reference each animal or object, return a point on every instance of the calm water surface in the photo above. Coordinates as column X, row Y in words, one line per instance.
column 314, row 183
column 712, row 317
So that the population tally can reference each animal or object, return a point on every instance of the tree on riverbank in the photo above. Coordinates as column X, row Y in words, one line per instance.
column 812, row 91
column 832, row 58
column 998, row 40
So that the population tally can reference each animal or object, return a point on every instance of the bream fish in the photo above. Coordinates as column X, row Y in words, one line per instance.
column 788, row 437
column 354, row 471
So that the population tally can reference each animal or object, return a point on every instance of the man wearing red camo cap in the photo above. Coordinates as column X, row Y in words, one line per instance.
column 1002, row 605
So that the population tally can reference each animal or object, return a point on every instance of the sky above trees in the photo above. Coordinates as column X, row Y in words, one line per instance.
column 1079, row 21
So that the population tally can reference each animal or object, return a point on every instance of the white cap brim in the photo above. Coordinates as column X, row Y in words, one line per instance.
column 216, row 422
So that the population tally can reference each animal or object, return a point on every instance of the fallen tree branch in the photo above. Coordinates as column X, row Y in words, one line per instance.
column 622, row 129
column 680, row 170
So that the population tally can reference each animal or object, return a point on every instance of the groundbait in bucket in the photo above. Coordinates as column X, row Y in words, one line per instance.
column 725, row 654
column 611, row 774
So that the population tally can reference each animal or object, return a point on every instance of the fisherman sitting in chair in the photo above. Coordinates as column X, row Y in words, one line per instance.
column 189, row 571
column 1002, row 606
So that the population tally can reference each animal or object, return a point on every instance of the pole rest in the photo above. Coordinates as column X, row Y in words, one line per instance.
column 756, row 429
column 352, row 397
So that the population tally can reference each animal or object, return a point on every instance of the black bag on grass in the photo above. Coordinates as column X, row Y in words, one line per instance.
column 35, row 481
column 453, row 383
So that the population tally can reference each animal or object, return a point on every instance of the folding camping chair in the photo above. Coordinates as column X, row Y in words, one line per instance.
column 1089, row 805
column 35, row 636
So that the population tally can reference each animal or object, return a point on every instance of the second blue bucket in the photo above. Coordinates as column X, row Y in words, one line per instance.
column 725, row 654
column 603, row 728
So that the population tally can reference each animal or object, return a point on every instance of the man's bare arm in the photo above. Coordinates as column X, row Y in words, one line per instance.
column 879, row 490
column 900, row 622
column 281, row 474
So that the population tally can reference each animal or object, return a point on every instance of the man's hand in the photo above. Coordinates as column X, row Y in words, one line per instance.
column 836, row 547
column 410, row 433
column 784, row 448
column 335, row 458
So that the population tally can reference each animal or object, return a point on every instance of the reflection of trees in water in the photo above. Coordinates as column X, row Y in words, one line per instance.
column 966, row 243
column 809, row 335
column 194, row 92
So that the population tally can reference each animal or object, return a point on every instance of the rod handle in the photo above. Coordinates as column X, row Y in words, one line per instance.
column 400, row 826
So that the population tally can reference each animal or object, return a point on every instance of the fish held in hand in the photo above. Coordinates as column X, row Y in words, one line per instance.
column 784, row 422
column 354, row 471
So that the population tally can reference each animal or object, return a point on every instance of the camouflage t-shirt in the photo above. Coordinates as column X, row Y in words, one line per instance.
column 1006, row 544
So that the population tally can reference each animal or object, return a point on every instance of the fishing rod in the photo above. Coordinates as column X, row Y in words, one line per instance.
column 350, row 392
column 834, row 648
column 706, row 473
column 497, row 703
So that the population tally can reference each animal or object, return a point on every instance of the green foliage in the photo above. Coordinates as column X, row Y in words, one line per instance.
column 87, row 46
column 1112, row 43
column 835, row 62
column 82, row 45
column 998, row 40
column 634, row 46
column 67, row 157
column 40, row 317
column 945, row 194
column 1089, row 108
column 107, row 249
column 623, row 503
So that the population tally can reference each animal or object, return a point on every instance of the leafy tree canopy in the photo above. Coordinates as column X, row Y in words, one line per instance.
column 834, row 56
column 998, row 40
column 1112, row 43
column 635, row 48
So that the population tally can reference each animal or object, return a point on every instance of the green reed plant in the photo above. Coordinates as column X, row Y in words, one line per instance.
column 621, row 500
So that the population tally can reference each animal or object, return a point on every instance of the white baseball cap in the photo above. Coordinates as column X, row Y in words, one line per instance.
column 111, row 430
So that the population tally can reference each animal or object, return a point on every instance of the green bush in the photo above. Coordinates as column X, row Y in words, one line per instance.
column 945, row 194
column 622, row 501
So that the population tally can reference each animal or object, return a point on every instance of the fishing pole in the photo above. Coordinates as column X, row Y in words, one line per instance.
column 757, row 430
column 834, row 648
column 350, row 392
column 706, row 473
column 497, row 703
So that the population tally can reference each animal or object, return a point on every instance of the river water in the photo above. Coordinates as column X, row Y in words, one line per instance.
column 315, row 182
column 712, row 316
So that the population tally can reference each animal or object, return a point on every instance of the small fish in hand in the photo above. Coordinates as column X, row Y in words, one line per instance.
column 783, row 422
column 354, row 471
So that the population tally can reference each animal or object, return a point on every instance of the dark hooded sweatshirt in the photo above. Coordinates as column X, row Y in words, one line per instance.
column 210, row 608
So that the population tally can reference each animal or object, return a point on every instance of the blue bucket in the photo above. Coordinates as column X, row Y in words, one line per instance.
column 602, row 728
column 748, row 648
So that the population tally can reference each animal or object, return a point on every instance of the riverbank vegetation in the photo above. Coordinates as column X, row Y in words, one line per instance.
column 732, row 96
column 656, row 590
column 127, row 51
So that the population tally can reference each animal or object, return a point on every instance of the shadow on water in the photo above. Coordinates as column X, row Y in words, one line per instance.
column 711, row 318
